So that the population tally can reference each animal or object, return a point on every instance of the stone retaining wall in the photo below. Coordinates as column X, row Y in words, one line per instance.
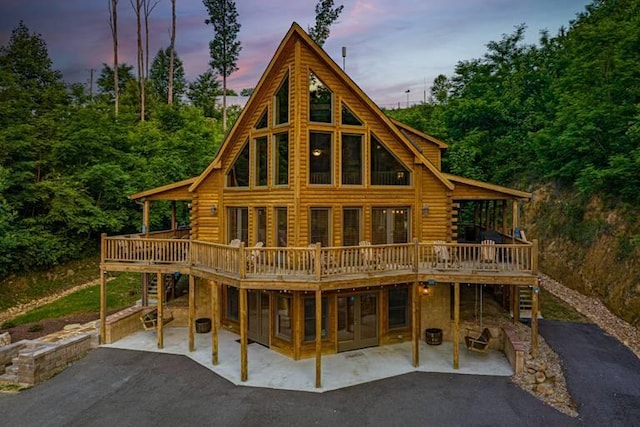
column 513, row 348
column 123, row 323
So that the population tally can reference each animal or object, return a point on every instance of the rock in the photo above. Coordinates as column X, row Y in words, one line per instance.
column 5, row 339
column 72, row 326
column 540, row 377
column 544, row 389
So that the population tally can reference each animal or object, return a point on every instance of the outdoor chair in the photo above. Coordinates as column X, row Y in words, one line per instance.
column 488, row 252
column 150, row 319
column 370, row 257
column 479, row 344
column 442, row 256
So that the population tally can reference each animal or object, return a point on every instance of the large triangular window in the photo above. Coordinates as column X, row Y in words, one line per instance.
column 386, row 169
column 238, row 175
column 320, row 101
column 262, row 121
column 281, row 103
column 349, row 118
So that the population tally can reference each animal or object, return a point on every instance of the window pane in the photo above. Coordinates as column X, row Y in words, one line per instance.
column 262, row 121
column 398, row 308
column 232, row 303
column 238, row 175
column 282, row 103
column 379, row 226
column 281, row 170
column 348, row 118
column 400, row 225
column 351, row 159
column 385, row 168
column 320, row 226
column 310, row 319
column 261, row 225
column 350, row 227
column 320, row 158
column 283, row 317
column 238, row 223
column 281, row 226
column 320, row 101
column 262, row 161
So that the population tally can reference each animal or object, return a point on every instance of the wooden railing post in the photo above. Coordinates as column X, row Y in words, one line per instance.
column 534, row 256
column 317, row 268
column 242, row 262
column 416, row 255
column 103, row 247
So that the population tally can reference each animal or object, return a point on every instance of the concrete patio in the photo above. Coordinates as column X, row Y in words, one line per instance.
column 270, row 369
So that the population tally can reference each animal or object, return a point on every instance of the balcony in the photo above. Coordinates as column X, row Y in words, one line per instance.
column 323, row 267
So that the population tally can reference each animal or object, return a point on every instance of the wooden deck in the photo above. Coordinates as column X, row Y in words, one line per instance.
column 315, row 267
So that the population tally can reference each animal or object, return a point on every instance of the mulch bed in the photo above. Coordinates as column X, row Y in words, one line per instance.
column 49, row 326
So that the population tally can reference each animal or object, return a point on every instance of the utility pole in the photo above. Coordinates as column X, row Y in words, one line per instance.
column 344, row 56
column 407, row 92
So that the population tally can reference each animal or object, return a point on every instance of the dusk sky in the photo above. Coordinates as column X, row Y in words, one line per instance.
column 392, row 45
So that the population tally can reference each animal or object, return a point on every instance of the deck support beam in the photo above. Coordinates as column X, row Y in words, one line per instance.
column 160, row 322
column 192, row 312
column 415, row 323
column 214, row 322
column 146, row 210
column 243, row 334
column 456, row 325
column 534, row 320
column 103, row 307
column 318, row 338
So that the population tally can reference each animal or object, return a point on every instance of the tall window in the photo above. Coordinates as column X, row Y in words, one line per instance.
column 320, row 101
column 351, row 159
column 281, row 159
column 320, row 158
column 351, row 218
column 232, row 302
column 389, row 225
column 398, row 314
column 238, row 224
column 262, row 161
column 281, row 101
column 386, row 169
column 281, row 227
column 310, row 319
column 238, row 175
column 261, row 225
column 284, row 311
column 319, row 225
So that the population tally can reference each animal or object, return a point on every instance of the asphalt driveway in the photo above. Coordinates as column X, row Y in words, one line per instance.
column 128, row 388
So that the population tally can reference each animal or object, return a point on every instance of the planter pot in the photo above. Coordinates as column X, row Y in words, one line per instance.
column 203, row 325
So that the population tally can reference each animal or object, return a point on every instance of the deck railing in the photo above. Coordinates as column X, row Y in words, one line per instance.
column 321, row 262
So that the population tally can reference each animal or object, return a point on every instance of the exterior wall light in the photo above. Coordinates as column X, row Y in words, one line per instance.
column 214, row 210
column 425, row 210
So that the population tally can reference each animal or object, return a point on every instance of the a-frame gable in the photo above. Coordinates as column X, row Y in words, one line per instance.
column 326, row 69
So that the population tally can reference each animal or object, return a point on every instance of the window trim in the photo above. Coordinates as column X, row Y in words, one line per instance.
column 362, row 158
column 276, row 158
column 256, row 160
column 331, row 102
column 331, row 157
column 328, row 210
column 245, row 145
column 360, row 223
column 276, row 106
column 406, row 309
column 375, row 140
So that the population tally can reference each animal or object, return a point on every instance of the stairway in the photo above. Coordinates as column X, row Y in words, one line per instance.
column 526, row 302
column 152, row 288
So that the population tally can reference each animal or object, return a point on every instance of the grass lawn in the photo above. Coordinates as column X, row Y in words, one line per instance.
column 123, row 291
column 553, row 308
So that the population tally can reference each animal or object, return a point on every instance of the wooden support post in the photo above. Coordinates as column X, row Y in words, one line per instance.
column 317, row 267
column 318, row 338
column 456, row 325
column 503, row 207
column 214, row 322
column 534, row 320
column 415, row 323
column 192, row 312
column 516, row 304
column 416, row 255
column 514, row 218
column 103, row 307
column 243, row 334
column 174, row 220
column 159, row 322
column 145, row 217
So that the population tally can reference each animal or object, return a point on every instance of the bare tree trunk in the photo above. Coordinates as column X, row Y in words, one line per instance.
column 137, row 8
column 147, row 8
column 113, row 21
column 172, row 51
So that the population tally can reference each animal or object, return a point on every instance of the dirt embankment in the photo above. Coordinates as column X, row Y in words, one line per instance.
column 589, row 248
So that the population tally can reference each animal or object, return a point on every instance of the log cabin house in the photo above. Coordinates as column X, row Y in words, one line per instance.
column 324, row 226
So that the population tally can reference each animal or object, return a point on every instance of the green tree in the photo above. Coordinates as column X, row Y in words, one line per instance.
column 225, row 46
column 159, row 76
column 202, row 93
column 106, row 79
column 326, row 15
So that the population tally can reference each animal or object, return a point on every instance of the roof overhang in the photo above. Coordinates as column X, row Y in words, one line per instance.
column 175, row 191
column 486, row 191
